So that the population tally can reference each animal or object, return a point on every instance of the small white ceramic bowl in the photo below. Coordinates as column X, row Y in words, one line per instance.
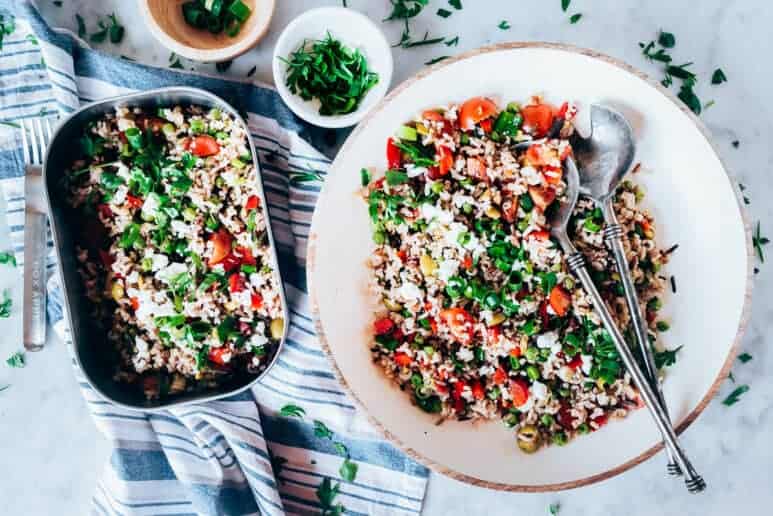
column 354, row 30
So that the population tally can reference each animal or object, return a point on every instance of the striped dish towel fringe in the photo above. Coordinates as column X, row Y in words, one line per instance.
column 239, row 455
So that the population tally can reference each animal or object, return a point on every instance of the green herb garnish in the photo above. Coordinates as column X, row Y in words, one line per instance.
column 7, row 26
column 291, row 410
column 348, row 470
column 575, row 18
column 735, row 396
column 452, row 42
column 7, row 259
column 443, row 13
column 331, row 72
column 436, row 60
column 326, row 494
column 81, row 26
column 5, row 305
column 718, row 77
column 456, row 4
column 504, row 25
column 744, row 357
column 666, row 39
column 666, row 358
column 216, row 16
column 16, row 360
column 565, row 4
column 758, row 241
column 321, row 430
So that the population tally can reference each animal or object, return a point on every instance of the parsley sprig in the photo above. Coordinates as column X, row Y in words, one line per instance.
column 7, row 26
column 7, row 259
column 735, row 396
column 331, row 72
column 16, row 360
column 759, row 241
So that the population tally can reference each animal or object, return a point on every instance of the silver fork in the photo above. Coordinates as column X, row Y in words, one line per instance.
column 35, row 136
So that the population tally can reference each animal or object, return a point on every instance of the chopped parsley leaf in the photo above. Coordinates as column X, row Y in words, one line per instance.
column 575, row 18
column 504, row 25
column 321, row 430
column 718, row 77
column 759, row 241
column 443, row 13
column 452, row 42
column 735, row 396
column 7, row 259
column 291, row 410
column 16, row 360
column 348, row 470
column 744, row 357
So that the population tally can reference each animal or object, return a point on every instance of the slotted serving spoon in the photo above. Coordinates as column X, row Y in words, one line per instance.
column 576, row 262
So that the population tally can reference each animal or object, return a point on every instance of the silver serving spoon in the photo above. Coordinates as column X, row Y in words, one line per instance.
column 604, row 158
column 576, row 262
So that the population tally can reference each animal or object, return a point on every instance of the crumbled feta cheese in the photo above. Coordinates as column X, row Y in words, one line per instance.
column 142, row 344
column 465, row 354
column 410, row 292
column 447, row 268
column 258, row 339
column 431, row 213
column 414, row 171
column 539, row 390
column 171, row 271
column 150, row 206
column 587, row 363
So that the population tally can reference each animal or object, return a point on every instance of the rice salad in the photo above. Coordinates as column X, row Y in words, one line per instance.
column 174, row 252
column 481, row 318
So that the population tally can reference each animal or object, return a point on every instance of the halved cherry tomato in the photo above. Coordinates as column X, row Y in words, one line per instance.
column 394, row 154
column 106, row 258
column 499, row 376
column 216, row 355
column 537, row 119
column 236, row 282
column 204, row 145
column 515, row 352
column 575, row 363
column 478, row 392
column 459, row 321
column 519, row 390
column 252, row 203
column 402, row 359
column 135, row 303
column 467, row 262
column 402, row 254
column 645, row 225
column 475, row 110
column 221, row 246
column 134, row 202
column 493, row 334
column 541, row 235
column 541, row 155
column 487, row 125
column 433, row 326
column 562, row 110
column 256, row 300
column 383, row 326
column 542, row 196
column 398, row 334
column 560, row 300
column 445, row 159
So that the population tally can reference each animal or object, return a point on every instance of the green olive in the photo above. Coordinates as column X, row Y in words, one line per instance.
column 528, row 439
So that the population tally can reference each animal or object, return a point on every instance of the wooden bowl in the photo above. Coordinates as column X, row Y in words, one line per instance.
column 167, row 24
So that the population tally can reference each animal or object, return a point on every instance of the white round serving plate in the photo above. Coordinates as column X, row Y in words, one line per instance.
column 695, row 204
column 354, row 30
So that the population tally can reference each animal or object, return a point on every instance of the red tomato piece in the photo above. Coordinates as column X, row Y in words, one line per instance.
column 230, row 262
column 247, row 257
column 394, row 155
column 474, row 111
column 510, row 207
column 575, row 363
column 460, row 323
column 552, row 174
column 434, row 116
column 542, row 196
column 217, row 355
column 221, row 246
column 458, row 389
column 135, row 303
column 493, row 334
column 539, row 235
column 252, row 203
column 445, row 159
column 601, row 420
column 478, row 392
column 516, row 352
column 499, row 376
column 236, row 282
column 256, row 300
column 204, row 145
column 564, row 416
column 560, row 300
column 537, row 119
column 467, row 262
column 476, row 167
column 562, row 110
column 106, row 258
column 383, row 326
column 403, row 255
column 519, row 390
column 134, row 202
column 487, row 125
column 402, row 359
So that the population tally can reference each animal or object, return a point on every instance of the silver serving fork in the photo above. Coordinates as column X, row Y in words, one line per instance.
column 35, row 135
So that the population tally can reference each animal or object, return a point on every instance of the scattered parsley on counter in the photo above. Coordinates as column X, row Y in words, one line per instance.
column 504, row 25
column 666, row 358
column 5, row 305
column 443, row 13
column 297, row 178
column 565, row 4
column 252, row 71
column 107, row 29
column 456, row 4
column 666, row 39
column 330, row 71
column 7, row 259
column 452, row 42
column 718, row 77
column 744, row 357
column 223, row 66
column 291, row 410
column 16, row 360
column 554, row 508
column 436, row 60
column 57, row 3
column 735, row 143
column 575, row 18
column 81, row 26
column 4, row 387
column 321, row 430
column 174, row 61
column 735, row 396
column 759, row 241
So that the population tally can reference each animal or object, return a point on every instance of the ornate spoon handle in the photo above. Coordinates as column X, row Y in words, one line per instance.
column 576, row 263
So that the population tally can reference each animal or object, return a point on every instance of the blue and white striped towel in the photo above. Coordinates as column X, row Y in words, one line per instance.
column 212, row 458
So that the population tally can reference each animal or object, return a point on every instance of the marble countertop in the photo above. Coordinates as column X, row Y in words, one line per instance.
column 53, row 454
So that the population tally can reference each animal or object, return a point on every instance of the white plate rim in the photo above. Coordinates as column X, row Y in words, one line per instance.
column 732, row 352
